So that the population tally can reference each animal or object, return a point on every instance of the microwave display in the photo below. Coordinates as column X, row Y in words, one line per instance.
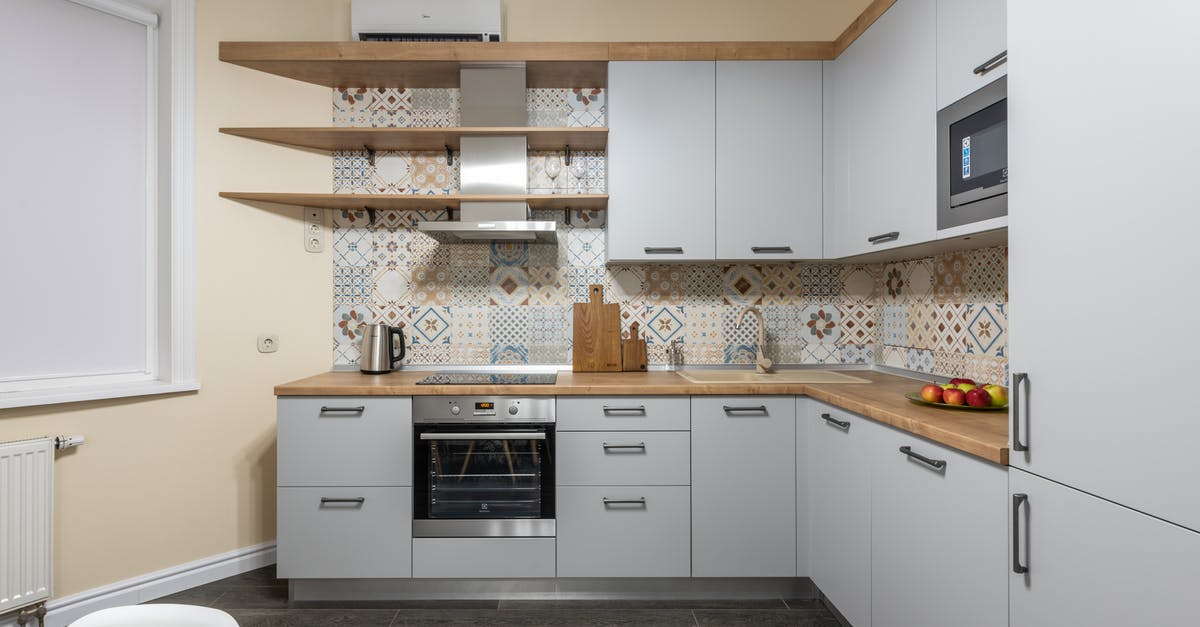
column 982, row 143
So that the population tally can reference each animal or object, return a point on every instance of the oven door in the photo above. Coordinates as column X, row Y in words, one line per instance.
column 483, row 480
column 973, row 157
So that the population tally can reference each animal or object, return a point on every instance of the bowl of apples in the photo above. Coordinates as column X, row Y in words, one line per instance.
column 962, row 394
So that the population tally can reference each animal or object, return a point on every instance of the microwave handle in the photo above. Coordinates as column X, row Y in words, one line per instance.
column 992, row 63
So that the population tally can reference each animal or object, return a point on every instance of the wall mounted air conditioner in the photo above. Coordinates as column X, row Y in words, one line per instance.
column 425, row 20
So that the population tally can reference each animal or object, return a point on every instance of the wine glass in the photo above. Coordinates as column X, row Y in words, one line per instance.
column 553, row 167
column 579, row 170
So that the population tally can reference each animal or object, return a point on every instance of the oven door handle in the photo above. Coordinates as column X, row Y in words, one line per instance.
column 499, row 435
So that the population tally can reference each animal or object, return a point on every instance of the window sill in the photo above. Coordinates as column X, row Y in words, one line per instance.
column 94, row 393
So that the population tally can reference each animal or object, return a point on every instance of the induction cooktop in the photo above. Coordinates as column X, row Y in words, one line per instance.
column 490, row 378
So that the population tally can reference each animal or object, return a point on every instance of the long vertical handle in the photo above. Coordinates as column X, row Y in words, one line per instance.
column 1018, row 379
column 1017, row 501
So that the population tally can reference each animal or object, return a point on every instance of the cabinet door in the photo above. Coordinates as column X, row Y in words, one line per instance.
column 623, row 458
column 937, row 535
column 661, row 167
column 743, row 486
column 624, row 531
column 1127, row 185
column 969, row 33
column 768, row 160
column 1096, row 563
column 344, row 441
column 334, row 533
column 883, row 118
column 840, row 509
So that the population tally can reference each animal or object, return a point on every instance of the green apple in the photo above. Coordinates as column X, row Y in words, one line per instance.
column 998, row 393
column 966, row 387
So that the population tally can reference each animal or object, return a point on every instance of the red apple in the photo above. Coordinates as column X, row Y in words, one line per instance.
column 979, row 398
column 957, row 380
column 954, row 396
column 932, row 393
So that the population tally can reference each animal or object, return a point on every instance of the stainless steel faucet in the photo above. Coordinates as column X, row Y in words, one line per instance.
column 761, row 363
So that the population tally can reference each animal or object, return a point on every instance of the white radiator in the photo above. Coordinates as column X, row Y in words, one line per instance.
column 26, row 516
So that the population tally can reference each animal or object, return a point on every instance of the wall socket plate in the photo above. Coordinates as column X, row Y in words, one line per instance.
column 314, row 230
column 268, row 343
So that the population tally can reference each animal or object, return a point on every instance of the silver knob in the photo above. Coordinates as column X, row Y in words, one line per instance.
column 455, row 409
column 513, row 409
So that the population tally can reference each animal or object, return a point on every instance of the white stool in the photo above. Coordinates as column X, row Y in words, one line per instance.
column 157, row 615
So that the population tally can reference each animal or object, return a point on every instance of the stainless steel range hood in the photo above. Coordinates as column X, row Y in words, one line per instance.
column 492, row 95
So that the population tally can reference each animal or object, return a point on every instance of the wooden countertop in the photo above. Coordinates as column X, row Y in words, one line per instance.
column 978, row 433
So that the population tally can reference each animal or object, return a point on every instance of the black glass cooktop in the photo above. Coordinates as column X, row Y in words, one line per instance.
column 490, row 378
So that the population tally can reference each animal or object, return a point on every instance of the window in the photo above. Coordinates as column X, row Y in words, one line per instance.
column 96, row 169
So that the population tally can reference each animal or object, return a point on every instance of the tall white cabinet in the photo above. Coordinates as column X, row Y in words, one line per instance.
column 880, row 120
column 1105, row 173
column 661, row 171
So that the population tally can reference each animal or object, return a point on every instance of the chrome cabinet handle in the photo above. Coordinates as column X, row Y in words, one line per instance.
column 663, row 250
column 937, row 464
column 343, row 410
column 992, row 63
column 608, row 501
column 639, row 409
column 1018, row 379
column 844, row 425
column 357, row 501
column 884, row 237
column 606, row 446
column 770, row 249
column 729, row 409
column 1017, row 502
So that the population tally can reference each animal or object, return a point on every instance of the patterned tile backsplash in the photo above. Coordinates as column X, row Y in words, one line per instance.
column 510, row 303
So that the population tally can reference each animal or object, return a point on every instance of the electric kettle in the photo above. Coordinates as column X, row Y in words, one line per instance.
column 379, row 353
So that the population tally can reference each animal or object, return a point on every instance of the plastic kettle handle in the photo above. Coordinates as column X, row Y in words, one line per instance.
column 399, row 334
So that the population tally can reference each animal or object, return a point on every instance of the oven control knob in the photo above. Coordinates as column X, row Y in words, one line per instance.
column 513, row 409
column 455, row 409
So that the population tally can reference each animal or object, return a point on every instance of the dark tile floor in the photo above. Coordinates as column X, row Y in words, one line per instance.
column 257, row 599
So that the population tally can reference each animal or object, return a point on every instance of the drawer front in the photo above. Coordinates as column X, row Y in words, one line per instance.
column 624, row 413
column 344, row 538
column 483, row 558
column 624, row 458
column 639, row 539
column 345, row 440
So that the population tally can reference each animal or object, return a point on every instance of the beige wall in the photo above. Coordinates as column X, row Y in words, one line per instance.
column 166, row 480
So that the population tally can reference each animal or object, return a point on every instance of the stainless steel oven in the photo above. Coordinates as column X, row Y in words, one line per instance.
column 972, row 157
column 483, row 466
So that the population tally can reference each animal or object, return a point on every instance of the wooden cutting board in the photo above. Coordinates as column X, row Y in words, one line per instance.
column 597, row 333
column 633, row 351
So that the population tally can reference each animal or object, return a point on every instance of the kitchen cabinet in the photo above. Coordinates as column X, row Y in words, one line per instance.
column 880, row 120
column 1093, row 562
column 969, row 34
column 840, row 509
column 1089, row 416
column 483, row 558
column 661, row 169
column 938, row 535
column 768, row 160
column 344, row 487
column 743, row 486
column 623, row 413
column 624, row 531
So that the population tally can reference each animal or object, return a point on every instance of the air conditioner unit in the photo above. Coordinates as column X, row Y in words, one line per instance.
column 425, row 20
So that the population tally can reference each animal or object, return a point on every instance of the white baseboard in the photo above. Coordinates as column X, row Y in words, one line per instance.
column 154, row 585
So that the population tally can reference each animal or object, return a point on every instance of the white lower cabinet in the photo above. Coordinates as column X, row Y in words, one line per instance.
column 624, row 531
column 342, row 532
column 743, row 486
column 623, row 458
column 1092, row 562
column 483, row 558
column 839, row 506
column 938, row 550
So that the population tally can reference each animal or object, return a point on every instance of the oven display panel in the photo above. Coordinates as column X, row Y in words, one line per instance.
column 485, row 406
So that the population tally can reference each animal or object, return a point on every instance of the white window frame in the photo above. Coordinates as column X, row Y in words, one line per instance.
column 170, row 277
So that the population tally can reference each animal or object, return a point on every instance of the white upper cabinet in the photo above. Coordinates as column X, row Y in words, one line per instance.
column 661, row 166
column 1103, row 254
column 970, row 34
column 880, row 116
column 768, row 160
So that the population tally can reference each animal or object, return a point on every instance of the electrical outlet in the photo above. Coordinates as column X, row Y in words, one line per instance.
column 268, row 343
column 314, row 230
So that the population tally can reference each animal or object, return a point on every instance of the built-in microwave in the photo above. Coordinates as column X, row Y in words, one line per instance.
column 972, row 157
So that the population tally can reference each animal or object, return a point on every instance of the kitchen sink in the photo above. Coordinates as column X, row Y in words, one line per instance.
column 780, row 376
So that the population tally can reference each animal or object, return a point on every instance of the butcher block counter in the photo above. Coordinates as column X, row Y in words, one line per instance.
column 983, row 434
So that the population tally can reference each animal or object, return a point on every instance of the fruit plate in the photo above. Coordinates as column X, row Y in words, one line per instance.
column 916, row 398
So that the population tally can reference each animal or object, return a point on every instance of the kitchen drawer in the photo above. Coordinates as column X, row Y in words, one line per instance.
column 624, row 458
column 372, row 538
column 318, row 445
column 599, row 539
column 483, row 558
column 624, row 413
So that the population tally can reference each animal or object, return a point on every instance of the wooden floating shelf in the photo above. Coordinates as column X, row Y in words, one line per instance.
column 413, row 201
column 330, row 138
